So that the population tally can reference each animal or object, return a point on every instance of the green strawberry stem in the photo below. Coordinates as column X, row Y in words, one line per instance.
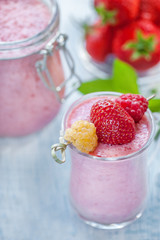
column 142, row 46
column 89, row 29
column 107, row 16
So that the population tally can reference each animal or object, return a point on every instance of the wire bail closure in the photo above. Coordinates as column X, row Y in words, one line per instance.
column 59, row 146
column 56, row 44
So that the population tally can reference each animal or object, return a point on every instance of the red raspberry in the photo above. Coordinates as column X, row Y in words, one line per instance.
column 136, row 105
column 113, row 124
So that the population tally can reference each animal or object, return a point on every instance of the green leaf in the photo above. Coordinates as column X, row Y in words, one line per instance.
column 154, row 105
column 124, row 78
column 97, row 85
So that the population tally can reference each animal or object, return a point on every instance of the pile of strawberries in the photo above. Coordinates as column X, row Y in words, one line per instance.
column 129, row 29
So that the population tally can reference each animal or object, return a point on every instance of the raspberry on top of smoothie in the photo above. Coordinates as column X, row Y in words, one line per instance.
column 82, row 135
column 136, row 105
column 114, row 122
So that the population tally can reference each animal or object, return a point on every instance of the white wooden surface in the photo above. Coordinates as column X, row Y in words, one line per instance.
column 34, row 198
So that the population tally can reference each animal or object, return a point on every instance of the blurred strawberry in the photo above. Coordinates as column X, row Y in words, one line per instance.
column 98, row 38
column 150, row 9
column 117, row 12
column 138, row 44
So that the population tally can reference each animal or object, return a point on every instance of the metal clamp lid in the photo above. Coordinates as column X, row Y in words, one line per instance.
column 56, row 44
column 62, row 145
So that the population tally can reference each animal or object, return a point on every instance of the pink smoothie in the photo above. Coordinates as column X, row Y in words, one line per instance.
column 26, row 105
column 107, row 191
column 82, row 112
column 22, row 19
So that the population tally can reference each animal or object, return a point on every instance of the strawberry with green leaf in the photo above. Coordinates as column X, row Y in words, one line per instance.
column 98, row 39
column 138, row 44
column 117, row 12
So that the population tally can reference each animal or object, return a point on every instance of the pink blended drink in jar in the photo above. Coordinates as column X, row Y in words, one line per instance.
column 26, row 104
column 108, row 186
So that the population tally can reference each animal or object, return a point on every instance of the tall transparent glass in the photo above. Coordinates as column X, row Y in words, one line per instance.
column 110, row 192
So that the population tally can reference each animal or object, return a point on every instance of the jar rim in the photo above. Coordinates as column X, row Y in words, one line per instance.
column 121, row 158
column 38, row 38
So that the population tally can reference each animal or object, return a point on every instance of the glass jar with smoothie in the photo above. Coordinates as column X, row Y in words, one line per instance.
column 109, row 175
column 32, row 76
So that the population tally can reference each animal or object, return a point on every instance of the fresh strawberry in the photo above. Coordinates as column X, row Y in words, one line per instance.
column 113, row 124
column 136, row 105
column 138, row 44
column 117, row 12
column 98, row 41
column 150, row 10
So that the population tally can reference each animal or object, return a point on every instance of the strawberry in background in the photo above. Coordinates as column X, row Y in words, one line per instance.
column 117, row 12
column 138, row 43
column 98, row 40
column 150, row 10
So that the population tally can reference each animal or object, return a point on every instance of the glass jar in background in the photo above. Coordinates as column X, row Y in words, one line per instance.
column 32, row 76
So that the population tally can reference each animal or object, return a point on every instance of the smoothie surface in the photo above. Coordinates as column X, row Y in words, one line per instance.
column 21, row 19
column 82, row 112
